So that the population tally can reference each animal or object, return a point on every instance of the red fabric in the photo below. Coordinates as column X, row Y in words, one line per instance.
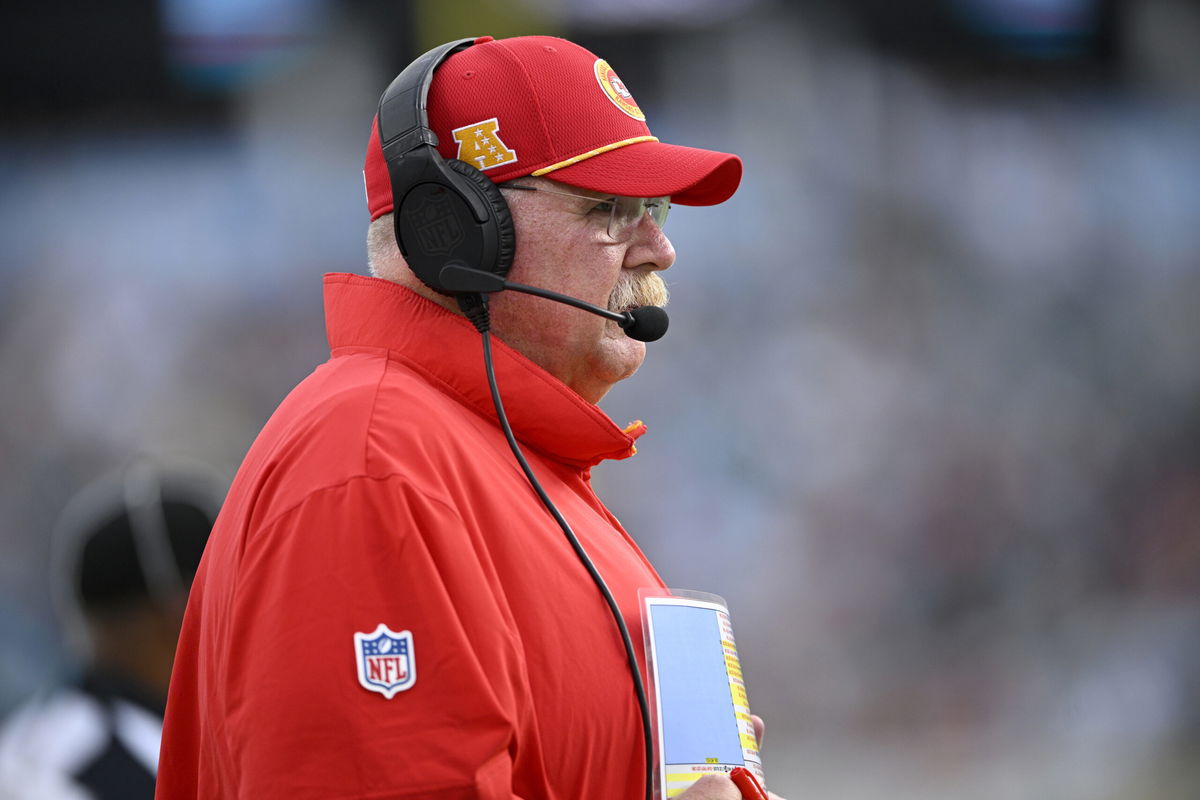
column 382, row 491
column 551, row 106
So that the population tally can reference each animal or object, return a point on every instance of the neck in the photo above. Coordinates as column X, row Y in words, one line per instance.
column 401, row 274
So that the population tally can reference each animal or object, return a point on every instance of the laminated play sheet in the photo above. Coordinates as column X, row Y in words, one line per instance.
column 700, row 700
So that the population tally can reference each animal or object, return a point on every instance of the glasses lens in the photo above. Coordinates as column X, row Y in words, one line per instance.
column 627, row 213
column 658, row 208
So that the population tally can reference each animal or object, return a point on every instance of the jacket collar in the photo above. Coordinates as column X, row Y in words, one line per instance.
column 545, row 413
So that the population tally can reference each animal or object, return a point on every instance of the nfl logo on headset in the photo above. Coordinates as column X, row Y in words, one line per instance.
column 437, row 226
column 385, row 660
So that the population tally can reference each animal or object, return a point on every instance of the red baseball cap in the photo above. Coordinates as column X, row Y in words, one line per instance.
column 538, row 105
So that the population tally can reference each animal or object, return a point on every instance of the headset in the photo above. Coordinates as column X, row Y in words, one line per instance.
column 445, row 211
column 455, row 230
column 450, row 221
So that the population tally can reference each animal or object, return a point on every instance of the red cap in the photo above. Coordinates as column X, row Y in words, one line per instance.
column 537, row 105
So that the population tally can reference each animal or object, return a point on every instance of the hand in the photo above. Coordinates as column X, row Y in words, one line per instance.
column 715, row 787
column 719, row 787
column 759, row 733
column 711, row 787
column 760, row 730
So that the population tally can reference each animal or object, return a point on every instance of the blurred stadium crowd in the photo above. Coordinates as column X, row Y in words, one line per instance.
column 928, row 415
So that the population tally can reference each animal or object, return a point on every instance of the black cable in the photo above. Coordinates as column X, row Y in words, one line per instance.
column 634, row 669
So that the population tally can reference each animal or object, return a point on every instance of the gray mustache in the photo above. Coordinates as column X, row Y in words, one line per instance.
column 640, row 289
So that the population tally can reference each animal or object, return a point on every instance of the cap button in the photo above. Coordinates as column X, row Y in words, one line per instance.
column 484, row 40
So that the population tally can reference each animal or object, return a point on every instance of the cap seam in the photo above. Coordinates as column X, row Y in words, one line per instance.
column 537, row 103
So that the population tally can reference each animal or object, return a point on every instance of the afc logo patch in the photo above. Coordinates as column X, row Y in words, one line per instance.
column 385, row 660
column 479, row 145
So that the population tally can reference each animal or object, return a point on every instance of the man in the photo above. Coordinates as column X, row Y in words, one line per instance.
column 125, row 551
column 386, row 609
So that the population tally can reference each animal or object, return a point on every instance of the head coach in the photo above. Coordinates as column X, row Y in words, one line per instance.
column 412, row 590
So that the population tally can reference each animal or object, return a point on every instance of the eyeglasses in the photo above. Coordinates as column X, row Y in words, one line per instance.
column 624, row 213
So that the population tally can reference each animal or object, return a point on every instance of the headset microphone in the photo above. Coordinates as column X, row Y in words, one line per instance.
column 645, row 323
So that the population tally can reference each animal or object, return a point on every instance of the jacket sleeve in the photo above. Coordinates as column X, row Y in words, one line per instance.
column 348, row 559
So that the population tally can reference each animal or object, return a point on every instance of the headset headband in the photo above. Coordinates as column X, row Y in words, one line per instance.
column 403, row 118
column 445, row 211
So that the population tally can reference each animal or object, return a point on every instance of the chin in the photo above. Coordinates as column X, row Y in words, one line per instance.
column 611, row 363
column 622, row 357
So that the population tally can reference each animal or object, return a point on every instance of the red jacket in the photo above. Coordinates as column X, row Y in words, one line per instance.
column 382, row 493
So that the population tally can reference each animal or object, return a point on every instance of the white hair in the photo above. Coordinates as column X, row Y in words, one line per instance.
column 384, row 259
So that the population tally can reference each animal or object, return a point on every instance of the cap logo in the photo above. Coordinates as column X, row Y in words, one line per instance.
column 479, row 145
column 614, row 87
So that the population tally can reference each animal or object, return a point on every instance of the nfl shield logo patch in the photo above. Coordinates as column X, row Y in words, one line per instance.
column 385, row 660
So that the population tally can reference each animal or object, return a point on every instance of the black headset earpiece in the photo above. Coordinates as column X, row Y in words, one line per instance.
column 445, row 211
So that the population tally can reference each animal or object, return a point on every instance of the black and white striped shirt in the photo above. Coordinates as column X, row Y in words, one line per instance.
column 97, row 740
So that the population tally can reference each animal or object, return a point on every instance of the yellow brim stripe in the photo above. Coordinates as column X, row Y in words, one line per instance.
column 596, row 152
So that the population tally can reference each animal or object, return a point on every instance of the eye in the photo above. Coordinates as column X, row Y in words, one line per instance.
column 603, row 206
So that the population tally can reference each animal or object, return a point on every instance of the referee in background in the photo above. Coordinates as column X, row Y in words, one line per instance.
column 123, row 556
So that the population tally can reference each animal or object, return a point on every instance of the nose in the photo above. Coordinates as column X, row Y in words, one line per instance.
column 649, row 248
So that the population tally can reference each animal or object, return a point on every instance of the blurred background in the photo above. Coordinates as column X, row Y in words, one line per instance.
column 929, row 412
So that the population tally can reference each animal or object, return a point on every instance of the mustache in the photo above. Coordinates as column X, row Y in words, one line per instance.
column 636, row 289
